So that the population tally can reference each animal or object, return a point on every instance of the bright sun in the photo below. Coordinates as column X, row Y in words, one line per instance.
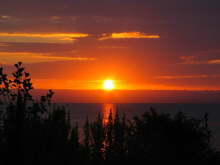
column 108, row 84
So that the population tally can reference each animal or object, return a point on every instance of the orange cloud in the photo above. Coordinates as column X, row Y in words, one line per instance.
column 188, row 77
column 194, row 60
column 55, row 19
column 216, row 61
column 4, row 18
column 41, row 37
column 4, row 44
column 27, row 57
column 129, row 35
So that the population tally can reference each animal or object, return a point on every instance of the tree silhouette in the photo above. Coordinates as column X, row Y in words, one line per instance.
column 174, row 140
column 98, row 137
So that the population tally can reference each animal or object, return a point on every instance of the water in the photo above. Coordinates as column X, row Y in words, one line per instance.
column 79, row 112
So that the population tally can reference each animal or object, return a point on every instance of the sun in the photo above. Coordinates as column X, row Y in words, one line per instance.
column 108, row 85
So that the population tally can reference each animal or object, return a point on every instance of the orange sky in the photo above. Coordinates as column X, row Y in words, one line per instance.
column 140, row 45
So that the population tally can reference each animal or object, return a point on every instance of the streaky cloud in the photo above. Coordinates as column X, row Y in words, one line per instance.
column 216, row 61
column 192, row 60
column 41, row 37
column 8, row 58
column 129, row 35
column 201, row 76
column 3, row 44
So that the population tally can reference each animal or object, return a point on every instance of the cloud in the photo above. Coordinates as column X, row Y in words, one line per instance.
column 113, row 47
column 55, row 19
column 195, row 60
column 5, row 18
column 129, row 35
column 28, row 57
column 3, row 44
column 41, row 37
column 202, row 76
column 216, row 61
column 191, row 60
column 211, row 51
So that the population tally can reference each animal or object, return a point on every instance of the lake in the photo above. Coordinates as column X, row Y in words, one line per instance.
column 79, row 112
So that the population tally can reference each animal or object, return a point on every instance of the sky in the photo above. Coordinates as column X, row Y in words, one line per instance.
column 140, row 44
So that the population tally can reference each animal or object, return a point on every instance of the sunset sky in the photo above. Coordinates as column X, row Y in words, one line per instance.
column 140, row 44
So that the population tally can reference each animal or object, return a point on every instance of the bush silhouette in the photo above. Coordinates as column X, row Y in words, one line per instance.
column 160, row 138
column 35, row 132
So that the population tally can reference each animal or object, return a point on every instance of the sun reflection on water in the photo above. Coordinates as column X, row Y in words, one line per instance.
column 107, row 108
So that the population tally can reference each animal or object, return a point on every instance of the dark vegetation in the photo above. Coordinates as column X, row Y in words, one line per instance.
column 31, row 132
